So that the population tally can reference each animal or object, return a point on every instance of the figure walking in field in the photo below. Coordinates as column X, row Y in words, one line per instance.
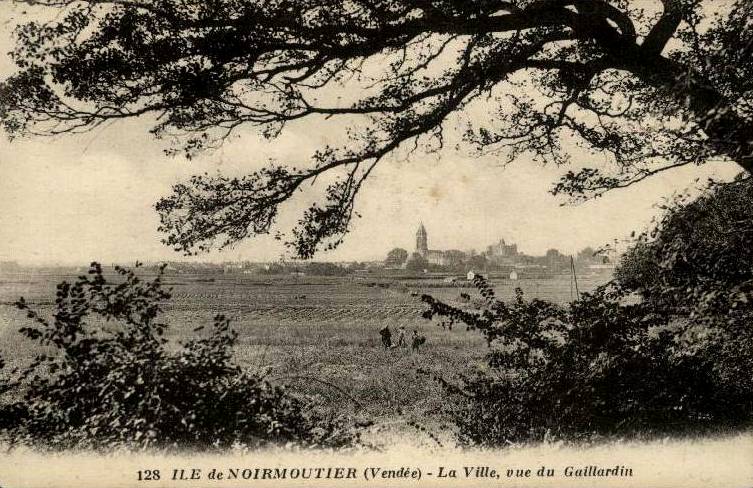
column 401, row 339
column 416, row 341
column 386, row 336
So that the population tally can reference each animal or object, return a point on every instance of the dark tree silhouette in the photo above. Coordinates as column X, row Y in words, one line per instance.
column 396, row 257
column 643, row 86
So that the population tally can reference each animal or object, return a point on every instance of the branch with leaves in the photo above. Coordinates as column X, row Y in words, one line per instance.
column 641, row 89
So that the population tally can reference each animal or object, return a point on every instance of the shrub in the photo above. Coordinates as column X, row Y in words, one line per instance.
column 112, row 380
column 679, row 358
column 10, row 413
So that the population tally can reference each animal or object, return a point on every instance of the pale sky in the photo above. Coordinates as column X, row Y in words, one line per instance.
column 75, row 199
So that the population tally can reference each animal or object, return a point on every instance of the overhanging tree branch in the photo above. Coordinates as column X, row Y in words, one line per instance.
column 205, row 68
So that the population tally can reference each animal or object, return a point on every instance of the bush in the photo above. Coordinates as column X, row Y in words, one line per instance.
column 113, row 381
column 666, row 347
column 10, row 413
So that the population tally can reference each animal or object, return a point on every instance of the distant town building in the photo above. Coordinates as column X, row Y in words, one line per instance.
column 422, row 240
column 453, row 257
column 504, row 256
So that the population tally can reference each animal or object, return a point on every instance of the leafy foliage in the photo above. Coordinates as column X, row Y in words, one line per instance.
column 396, row 257
column 112, row 380
column 666, row 347
column 698, row 255
column 641, row 87
column 10, row 414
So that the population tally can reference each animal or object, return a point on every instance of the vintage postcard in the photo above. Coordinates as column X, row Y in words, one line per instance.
column 351, row 243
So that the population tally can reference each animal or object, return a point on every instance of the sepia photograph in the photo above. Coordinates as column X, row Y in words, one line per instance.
column 376, row 243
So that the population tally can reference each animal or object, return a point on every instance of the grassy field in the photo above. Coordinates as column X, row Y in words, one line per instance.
column 318, row 335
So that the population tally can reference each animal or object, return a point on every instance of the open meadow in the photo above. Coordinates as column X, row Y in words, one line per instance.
column 319, row 335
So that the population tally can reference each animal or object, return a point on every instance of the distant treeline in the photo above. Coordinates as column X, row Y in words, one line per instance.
column 280, row 268
column 313, row 268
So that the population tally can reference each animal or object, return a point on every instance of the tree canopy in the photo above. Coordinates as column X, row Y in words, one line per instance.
column 396, row 257
column 697, row 261
column 640, row 86
column 664, row 348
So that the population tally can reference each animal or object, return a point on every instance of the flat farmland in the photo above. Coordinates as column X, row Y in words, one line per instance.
column 318, row 335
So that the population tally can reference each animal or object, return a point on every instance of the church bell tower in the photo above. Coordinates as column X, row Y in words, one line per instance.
column 422, row 244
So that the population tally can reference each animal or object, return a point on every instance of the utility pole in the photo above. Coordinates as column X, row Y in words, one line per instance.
column 574, row 278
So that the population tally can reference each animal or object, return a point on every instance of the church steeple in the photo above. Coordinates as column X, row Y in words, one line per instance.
column 422, row 240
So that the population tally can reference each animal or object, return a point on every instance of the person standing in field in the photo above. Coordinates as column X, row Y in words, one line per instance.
column 401, row 341
column 416, row 341
column 386, row 336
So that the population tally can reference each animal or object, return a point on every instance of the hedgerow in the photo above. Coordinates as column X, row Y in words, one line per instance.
column 110, row 379
column 664, row 348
